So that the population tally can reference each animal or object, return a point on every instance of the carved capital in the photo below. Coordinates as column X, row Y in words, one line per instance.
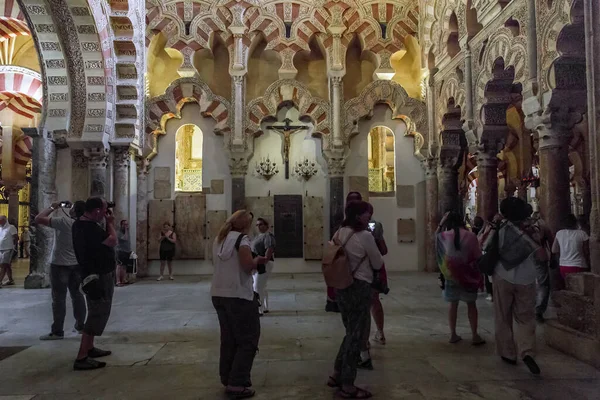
column 98, row 157
column 336, row 81
column 336, row 166
column 122, row 158
column 78, row 158
column 238, row 166
column 59, row 138
column 430, row 165
column 143, row 166
column 487, row 158
column 554, row 127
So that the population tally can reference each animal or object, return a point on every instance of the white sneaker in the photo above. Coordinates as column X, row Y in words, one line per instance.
column 160, row 278
column 171, row 278
column 489, row 297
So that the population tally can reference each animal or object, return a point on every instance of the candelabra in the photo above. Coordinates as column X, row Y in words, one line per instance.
column 266, row 168
column 306, row 169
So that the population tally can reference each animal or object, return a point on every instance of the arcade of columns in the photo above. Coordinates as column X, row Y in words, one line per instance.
column 509, row 85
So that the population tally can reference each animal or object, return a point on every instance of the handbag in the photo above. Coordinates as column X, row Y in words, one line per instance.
column 487, row 262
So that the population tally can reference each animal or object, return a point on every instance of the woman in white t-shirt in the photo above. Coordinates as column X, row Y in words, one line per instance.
column 235, row 302
column 573, row 246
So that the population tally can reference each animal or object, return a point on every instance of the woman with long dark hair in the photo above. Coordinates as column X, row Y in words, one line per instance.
column 457, row 253
column 236, row 304
column 573, row 247
column 363, row 257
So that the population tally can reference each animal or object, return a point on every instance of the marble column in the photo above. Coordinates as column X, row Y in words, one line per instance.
column 487, row 184
column 335, row 182
column 336, row 104
column 447, row 177
column 238, row 167
column 43, row 193
column 122, row 159
column 98, row 162
column 142, row 218
column 13, row 204
column 432, row 217
column 239, row 103
column 80, row 188
column 555, row 179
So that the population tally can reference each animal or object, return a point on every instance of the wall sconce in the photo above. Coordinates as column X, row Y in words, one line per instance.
column 305, row 169
column 266, row 168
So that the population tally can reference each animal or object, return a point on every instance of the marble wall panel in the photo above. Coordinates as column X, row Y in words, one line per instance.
column 162, row 190
column 359, row 184
column 217, row 186
column 162, row 173
column 190, row 225
column 405, row 196
column 214, row 221
column 159, row 212
column 261, row 207
column 406, row 230
column 313, row 228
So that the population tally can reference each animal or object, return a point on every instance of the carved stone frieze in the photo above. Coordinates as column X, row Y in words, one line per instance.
column 238, row 166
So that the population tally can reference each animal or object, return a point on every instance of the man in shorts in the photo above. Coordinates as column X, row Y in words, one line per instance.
column 9, row 238
column 95, row 253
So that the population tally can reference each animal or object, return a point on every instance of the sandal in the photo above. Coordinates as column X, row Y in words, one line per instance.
column 333, row 383
column 243, row 394
column 357, row 394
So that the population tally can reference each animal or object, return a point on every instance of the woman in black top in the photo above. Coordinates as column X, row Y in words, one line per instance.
column 168, row 238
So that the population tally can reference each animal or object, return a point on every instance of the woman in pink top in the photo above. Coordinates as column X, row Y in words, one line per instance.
column 573, row 246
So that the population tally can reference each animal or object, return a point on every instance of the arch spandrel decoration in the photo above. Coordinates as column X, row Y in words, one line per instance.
column 413, row 112
column 288, row 91
column 513, row 50
column 182, row 91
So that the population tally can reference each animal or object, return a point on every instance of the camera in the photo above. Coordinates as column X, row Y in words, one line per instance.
column 110, row 204
column 66, row 204
column 372, row 226
column 378, row 284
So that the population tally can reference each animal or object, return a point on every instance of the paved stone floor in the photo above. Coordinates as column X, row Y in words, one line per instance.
column 165, row 342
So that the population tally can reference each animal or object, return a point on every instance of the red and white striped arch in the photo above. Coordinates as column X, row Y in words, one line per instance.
column 20, row 90
column 12, row 27
column 22, row 153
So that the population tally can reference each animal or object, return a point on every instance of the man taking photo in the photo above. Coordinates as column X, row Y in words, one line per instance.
column 65, row 273
column 94, row 249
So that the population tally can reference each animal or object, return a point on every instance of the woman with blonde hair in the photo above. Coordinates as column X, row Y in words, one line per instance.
column 236, row 304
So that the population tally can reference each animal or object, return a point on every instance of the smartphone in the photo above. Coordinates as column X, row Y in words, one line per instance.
column 372, row 226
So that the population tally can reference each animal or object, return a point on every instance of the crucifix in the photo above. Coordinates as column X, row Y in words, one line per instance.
column 287, row 131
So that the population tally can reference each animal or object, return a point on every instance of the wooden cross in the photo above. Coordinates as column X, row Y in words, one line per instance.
column 286, row 129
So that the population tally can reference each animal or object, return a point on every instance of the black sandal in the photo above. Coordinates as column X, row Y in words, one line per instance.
column 244, row 394
column 357, row 394
column 333, row 383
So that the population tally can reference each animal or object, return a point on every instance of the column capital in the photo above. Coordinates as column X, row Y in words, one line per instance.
column 554, row 127
column 122, row 157
column 78, row 158
column 336, row 166
column 238, row 166
column 430, row 165
column 97, row 157
column 487, row 158
column 143, row 166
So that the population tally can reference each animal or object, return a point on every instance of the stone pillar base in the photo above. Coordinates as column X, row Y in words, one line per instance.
column 577, row 344
column 36, row 280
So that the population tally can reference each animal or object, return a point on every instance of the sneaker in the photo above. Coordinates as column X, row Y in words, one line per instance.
column 52, row 336
column 367, row 364
column 10, row 283
column 489, row 297
column 160, row 278
column 97, row 353
column 379, row 338
column 171, row 278
column 532, row 365
column 87, row 364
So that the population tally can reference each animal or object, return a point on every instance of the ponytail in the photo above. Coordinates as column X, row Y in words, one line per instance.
column 224, row 231
column 239, row 221
column 457, row 238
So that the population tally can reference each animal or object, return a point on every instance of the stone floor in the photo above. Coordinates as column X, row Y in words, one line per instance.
column 165, row 342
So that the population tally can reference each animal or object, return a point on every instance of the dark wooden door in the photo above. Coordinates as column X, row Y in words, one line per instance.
column 288, row 226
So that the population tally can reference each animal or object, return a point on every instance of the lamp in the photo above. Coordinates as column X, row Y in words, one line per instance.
column 266, row 168
column 305, row 168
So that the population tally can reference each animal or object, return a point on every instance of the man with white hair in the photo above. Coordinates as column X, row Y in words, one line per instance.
column 9, row 237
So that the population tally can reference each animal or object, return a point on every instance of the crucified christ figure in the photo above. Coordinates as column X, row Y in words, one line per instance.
column 287, row 130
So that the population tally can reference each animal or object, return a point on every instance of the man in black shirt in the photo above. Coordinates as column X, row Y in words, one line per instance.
column 94, row 250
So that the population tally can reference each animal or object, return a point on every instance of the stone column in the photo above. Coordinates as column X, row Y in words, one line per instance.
column 447, row 177
column 336, row 104
column 555, row 179
column 431, row 216
column 43, row 192
column 239, row 103
column 98, row 161
column 141, row 248
column 121, row 163
column 592, row 24
column 487, row 184
column 238, row 167
column 13, row 204
column 335, row 174
column 80, row 188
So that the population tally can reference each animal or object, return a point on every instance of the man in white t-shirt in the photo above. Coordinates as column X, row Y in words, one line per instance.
column 573, row 246
column 9, row 238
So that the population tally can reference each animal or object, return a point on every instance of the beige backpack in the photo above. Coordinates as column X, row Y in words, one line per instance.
column 337, row 271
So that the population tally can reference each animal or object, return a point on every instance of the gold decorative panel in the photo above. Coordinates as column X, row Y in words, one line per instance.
column 188, row 159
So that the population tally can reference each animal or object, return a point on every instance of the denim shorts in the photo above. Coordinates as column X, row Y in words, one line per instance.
column 453, row 293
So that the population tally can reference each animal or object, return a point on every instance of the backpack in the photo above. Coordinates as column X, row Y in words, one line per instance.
column 336, row 269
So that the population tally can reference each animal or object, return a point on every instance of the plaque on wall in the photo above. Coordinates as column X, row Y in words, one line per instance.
column 405, row 196
column 162, row 190
column 405, row 229
column 190, row 218
column 288, row 226
column 162, row 173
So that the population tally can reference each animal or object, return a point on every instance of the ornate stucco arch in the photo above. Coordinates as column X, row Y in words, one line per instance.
column 452, row 88
column 162, row 108
column 413, row 112
column 288, row 91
